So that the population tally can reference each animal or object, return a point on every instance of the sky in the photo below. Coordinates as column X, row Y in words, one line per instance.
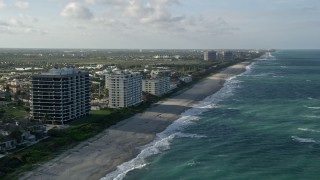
column 160, row 24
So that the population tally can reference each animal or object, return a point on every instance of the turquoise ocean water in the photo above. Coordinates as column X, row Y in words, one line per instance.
column 264, row 124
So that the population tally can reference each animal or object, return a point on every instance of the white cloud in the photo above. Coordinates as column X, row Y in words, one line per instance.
column 217, row 27
column 2, row 4
column 109, row 2
column 22, row 24
column 110, row 23
column 28, row 18
column 150, row 12
column 76, row 11
column 90, row 1
column 144, row 16
column 35, row 31
column 22, row 4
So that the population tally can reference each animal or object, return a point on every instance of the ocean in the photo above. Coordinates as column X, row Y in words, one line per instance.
column 263, row 124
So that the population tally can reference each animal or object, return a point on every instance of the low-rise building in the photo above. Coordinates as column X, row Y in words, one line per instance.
column 160, row 73
column 7, row 143
column 16, row 82
column 186, row 79
column 157, row 87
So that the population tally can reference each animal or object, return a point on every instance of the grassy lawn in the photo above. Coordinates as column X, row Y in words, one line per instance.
column 11, row 111
column 98, row 115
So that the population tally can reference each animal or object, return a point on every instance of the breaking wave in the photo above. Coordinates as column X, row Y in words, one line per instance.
column 308, row 130
column 175, row 130
column 303, row 140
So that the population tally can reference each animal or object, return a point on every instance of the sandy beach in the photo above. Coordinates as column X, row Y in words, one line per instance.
column 100, row 155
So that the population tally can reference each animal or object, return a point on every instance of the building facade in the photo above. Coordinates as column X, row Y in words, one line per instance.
column 210, row 55
column 60, row 95
column 125, row 89
column 186, row 79
column 228, row 55
column 160, row 73
column 106, row 79
column 157, row 87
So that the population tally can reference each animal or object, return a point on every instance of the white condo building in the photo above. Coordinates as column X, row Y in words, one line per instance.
column 157, row 87
column 60, row 95
column 124, row 89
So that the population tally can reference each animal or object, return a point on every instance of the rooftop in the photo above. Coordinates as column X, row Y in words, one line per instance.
column 63, row 71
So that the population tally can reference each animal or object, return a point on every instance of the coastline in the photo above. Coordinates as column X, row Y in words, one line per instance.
column 100, row 155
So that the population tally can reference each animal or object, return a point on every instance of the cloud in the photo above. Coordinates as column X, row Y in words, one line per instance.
column 153, row 12
column 21, row 4
column 22, row 24
column 75, row 10
column 2, row 4
column 145, row 16
column 35, row 31
column 111, row 23
column 28, row 18
column 13, row 22
column 108, row 2
column 90, row 1
column 214, row 27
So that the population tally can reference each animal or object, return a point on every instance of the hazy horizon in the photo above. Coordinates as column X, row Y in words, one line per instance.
column 159, row 24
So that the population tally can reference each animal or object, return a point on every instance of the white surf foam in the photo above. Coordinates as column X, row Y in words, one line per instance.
column 187, row 135
column 192, row 163
column 303, row 140
column 311, row 116
column 278, row 76
column 162, row 142
column 262, row 75
column 313, row 107
column 248, row 69
column 157, row 146
column 139, row 161
column 270, row 55
column 308, row 130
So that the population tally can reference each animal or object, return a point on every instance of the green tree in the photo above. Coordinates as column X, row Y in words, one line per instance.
column 16, row 134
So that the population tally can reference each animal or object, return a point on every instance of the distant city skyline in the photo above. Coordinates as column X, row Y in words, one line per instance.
column 160, row 24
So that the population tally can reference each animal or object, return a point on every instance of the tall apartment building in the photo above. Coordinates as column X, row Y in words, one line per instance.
column 106, row 79
column 60, row 95
column 125, row 89
column 158, row 87
column 228, row 55
column 210, row 55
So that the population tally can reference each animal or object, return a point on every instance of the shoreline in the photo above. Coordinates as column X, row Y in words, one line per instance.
column 100, row 155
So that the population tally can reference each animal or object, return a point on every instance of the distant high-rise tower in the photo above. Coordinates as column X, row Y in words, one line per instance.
column 60, row 95
column 125, row 89
column 228, row 55
column 210, row 55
